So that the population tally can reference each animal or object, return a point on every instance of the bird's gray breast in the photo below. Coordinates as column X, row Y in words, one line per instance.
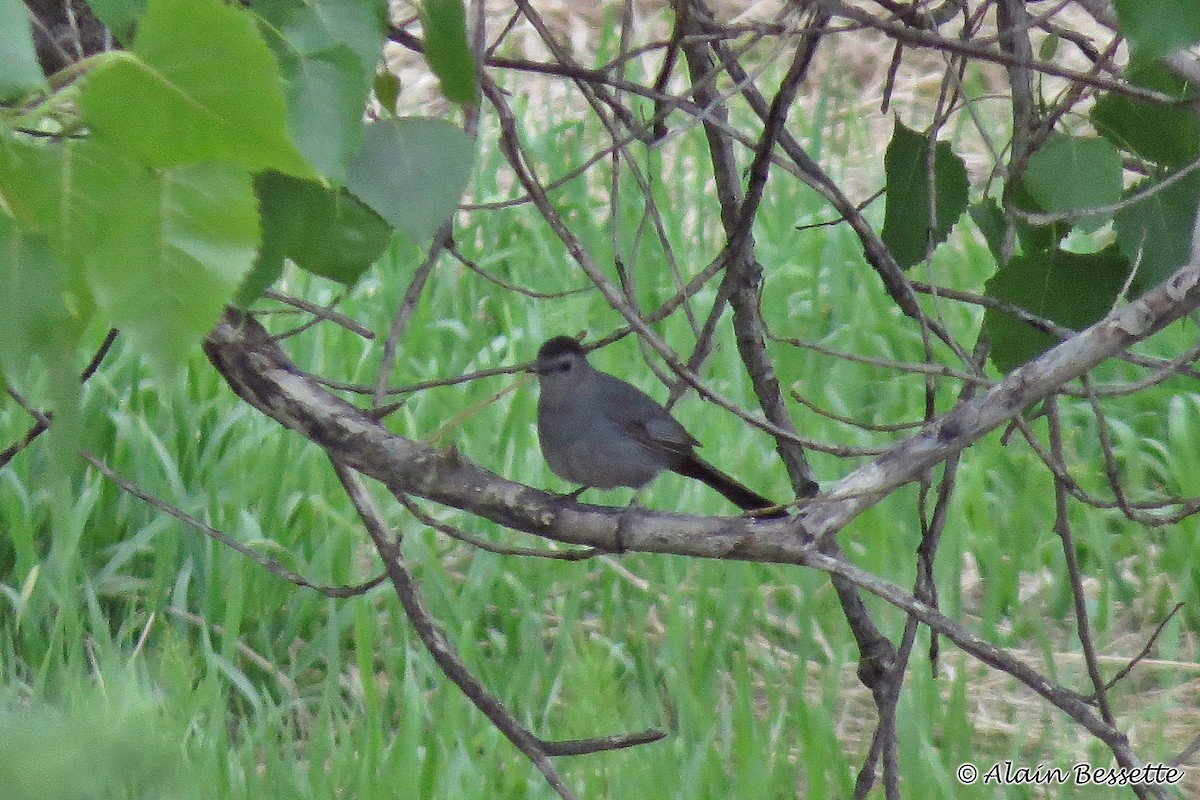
column 598, row 436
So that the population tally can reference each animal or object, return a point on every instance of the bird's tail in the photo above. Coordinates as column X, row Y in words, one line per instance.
column 734, row 492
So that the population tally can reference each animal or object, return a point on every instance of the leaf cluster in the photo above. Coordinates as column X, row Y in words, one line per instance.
column 1086, row 217
column 148, row 186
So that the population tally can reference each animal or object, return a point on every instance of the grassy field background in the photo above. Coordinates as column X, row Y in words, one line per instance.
column 139, row 655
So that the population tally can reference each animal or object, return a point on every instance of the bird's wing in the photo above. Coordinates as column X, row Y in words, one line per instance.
column 642, row 418
column 659, row 435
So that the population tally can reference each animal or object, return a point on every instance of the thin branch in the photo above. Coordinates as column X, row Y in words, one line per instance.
column 1187, row 505
column 933, row 41
column 42, row 421
column 483, row 544
column 269, row 564
column 470, row 264
column 443, row 654
column 404, row 312
column 877, row 253
column 915, row 367
column 1111, row 471
column 1062, row 527
column 1124, row 671
column 322, row 312
column 434, row 638
column 854, row 423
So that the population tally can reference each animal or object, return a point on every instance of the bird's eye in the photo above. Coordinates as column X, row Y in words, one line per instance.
column 564, row 366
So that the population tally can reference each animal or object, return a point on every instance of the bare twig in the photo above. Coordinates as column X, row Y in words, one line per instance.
column 1124, row 671
column 439, row 647
column 491, row 547
column 42, row 421
column 1062, row 526
column 405, row 311
column 269, row 564
column 322, row 312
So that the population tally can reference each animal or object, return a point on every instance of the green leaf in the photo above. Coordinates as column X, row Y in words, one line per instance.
column 199, row 85
column 325, row 97
column 29, row 178
column 1049, row 47
column 44, row 185
column 172, row 252
column 1070, row 173
column 1069, row 289
column 1155, row 233
column 266, row 270
column 1163, row 134
column 327, row 54
column 989, row 219
column 119, row 16
column 19, row 70
column 906, row 225
column 323, row 231
column 1034, row 237
column 447, row 51
column 412, row 172
column 160, row 251
column 38, row 320
column 35, row 319
column 316, row 25
column 387, row 91
column 1159, row 27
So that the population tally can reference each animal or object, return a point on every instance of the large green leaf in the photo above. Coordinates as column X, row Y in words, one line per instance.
column 1158, row 27
column 412, row 172
column 907, row 229
column 327, row 53
column 1165, row 134
column 171, row 252
column 29, row 178
column 35, row 316
column 1071, row 173
column 38, row 320
column 325, row 231
column 1155, row 233
column 44, row 185
column 1069, row 289
column 199, row 85
column 19, row 70
column 311, row 26
column 160, row 251
column 446, row 49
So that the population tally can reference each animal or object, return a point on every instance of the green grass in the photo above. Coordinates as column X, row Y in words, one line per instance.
column 125, row 637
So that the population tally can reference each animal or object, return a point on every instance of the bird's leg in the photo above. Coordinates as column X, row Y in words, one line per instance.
column 574, row 494
column 624, row 518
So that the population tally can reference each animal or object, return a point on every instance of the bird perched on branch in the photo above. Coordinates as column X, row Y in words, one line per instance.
column 597, row 430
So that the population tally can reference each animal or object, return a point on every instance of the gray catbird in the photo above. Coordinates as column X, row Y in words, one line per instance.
column 600, row 431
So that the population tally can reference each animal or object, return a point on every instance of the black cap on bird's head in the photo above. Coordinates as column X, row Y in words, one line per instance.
column 559, row 345
column 557, row 355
